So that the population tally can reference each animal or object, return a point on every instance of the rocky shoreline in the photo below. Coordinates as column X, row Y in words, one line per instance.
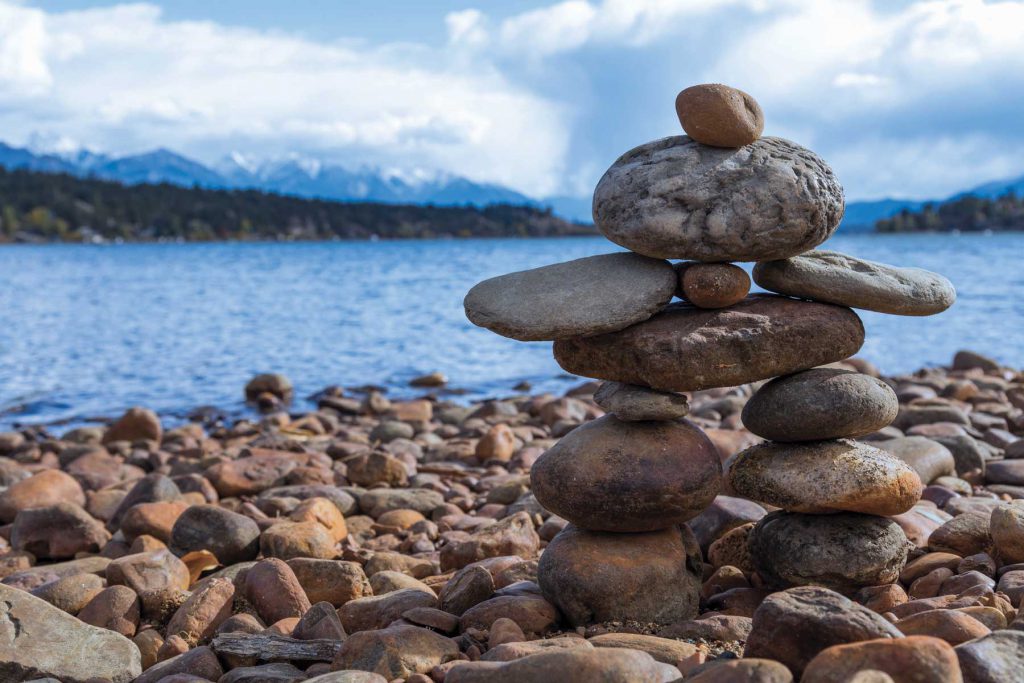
column 378, row 540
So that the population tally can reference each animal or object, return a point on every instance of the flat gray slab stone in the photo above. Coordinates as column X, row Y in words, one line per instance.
column 37, row 640
column 677, row 198
column 579, row 298
column 835, row 278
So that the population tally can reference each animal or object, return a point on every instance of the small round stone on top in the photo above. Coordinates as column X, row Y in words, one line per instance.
column 720, row 116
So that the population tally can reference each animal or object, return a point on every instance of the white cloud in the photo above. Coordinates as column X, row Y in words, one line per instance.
column 125, row 79
column 915, row 98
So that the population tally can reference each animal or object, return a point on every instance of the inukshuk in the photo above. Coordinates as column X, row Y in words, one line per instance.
column 627, row 482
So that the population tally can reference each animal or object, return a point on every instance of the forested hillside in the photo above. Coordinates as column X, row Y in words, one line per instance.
column 55, row 207
column 966, row 214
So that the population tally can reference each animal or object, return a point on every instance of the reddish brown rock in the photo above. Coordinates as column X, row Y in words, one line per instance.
column 720, row 116
column 137, row 424
column 152, row 519
column 49, row 487
column 952, row 626
column 57, row 532
column 272, row 588
column 594, row 576
column 713, row 285
column 673, row 474
column 204, row 611
column 333, row 581
column 684, row 348
column 916, row 658
column 116, row 608
column 289, row 540
column 824, row 476
column 513, row 535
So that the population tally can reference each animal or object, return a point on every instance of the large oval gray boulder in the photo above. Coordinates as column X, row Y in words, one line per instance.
column 685, row 348
column 677, row 198
column 822, row 403
column 849, row 281
column 611, row 475
column 843, row 551
column 577, row 298
column 38, row 640
column 824, row 476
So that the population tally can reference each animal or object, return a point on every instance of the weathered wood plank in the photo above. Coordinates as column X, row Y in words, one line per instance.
column 267, row 646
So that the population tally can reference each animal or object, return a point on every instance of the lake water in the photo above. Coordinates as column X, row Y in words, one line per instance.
column 89, row 330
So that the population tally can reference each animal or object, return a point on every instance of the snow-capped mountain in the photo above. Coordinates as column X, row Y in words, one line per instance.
column 314, row 178
column 306, row 177
column 294, row 175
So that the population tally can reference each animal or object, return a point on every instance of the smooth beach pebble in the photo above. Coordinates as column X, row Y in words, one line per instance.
column 587, row 296
column 720, row 116
column 676, row 198
column 823, row 403
column 844, row 551
column 685, row 348
column 825, row 476
column 713, row 285
column 793, row 626
column 611, row 475
column 596, row 576
column 634, row 403
column 836, row 278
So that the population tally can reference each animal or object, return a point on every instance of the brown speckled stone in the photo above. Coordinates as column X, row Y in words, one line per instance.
column 844, row 551
column 825, row 476
column 685, row 348
column 713, row 285
column 610, row 475
column 718, row 115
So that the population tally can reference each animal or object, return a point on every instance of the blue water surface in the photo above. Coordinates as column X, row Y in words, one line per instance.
column 86, row 331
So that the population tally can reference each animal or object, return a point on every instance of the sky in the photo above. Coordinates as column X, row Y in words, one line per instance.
column 909, row 99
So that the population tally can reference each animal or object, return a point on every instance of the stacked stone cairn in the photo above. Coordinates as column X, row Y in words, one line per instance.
column 628, row 481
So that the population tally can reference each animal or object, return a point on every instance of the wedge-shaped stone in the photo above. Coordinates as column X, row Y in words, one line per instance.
column 685, row 348
column 578, row 298
column 825, row 476
column 611, row 475
column 677, row 198
column 836, row 278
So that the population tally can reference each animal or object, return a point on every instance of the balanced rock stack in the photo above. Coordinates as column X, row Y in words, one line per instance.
column 627, row 482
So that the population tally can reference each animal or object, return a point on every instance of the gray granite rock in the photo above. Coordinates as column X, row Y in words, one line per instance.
column 823, row 403
column 677, row 198
column 843, row 551
column 836, row 278
column 633, row 403
column 583, row 297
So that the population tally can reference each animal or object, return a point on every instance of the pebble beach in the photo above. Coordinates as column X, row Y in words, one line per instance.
column 399, row 540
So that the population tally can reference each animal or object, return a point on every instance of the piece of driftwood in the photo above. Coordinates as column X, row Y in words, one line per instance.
column 268, row 646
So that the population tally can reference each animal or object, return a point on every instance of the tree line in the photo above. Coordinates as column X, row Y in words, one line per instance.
column 966, row 214
column 57, row 207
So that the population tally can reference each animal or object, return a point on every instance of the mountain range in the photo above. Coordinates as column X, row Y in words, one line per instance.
column 312, row 178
